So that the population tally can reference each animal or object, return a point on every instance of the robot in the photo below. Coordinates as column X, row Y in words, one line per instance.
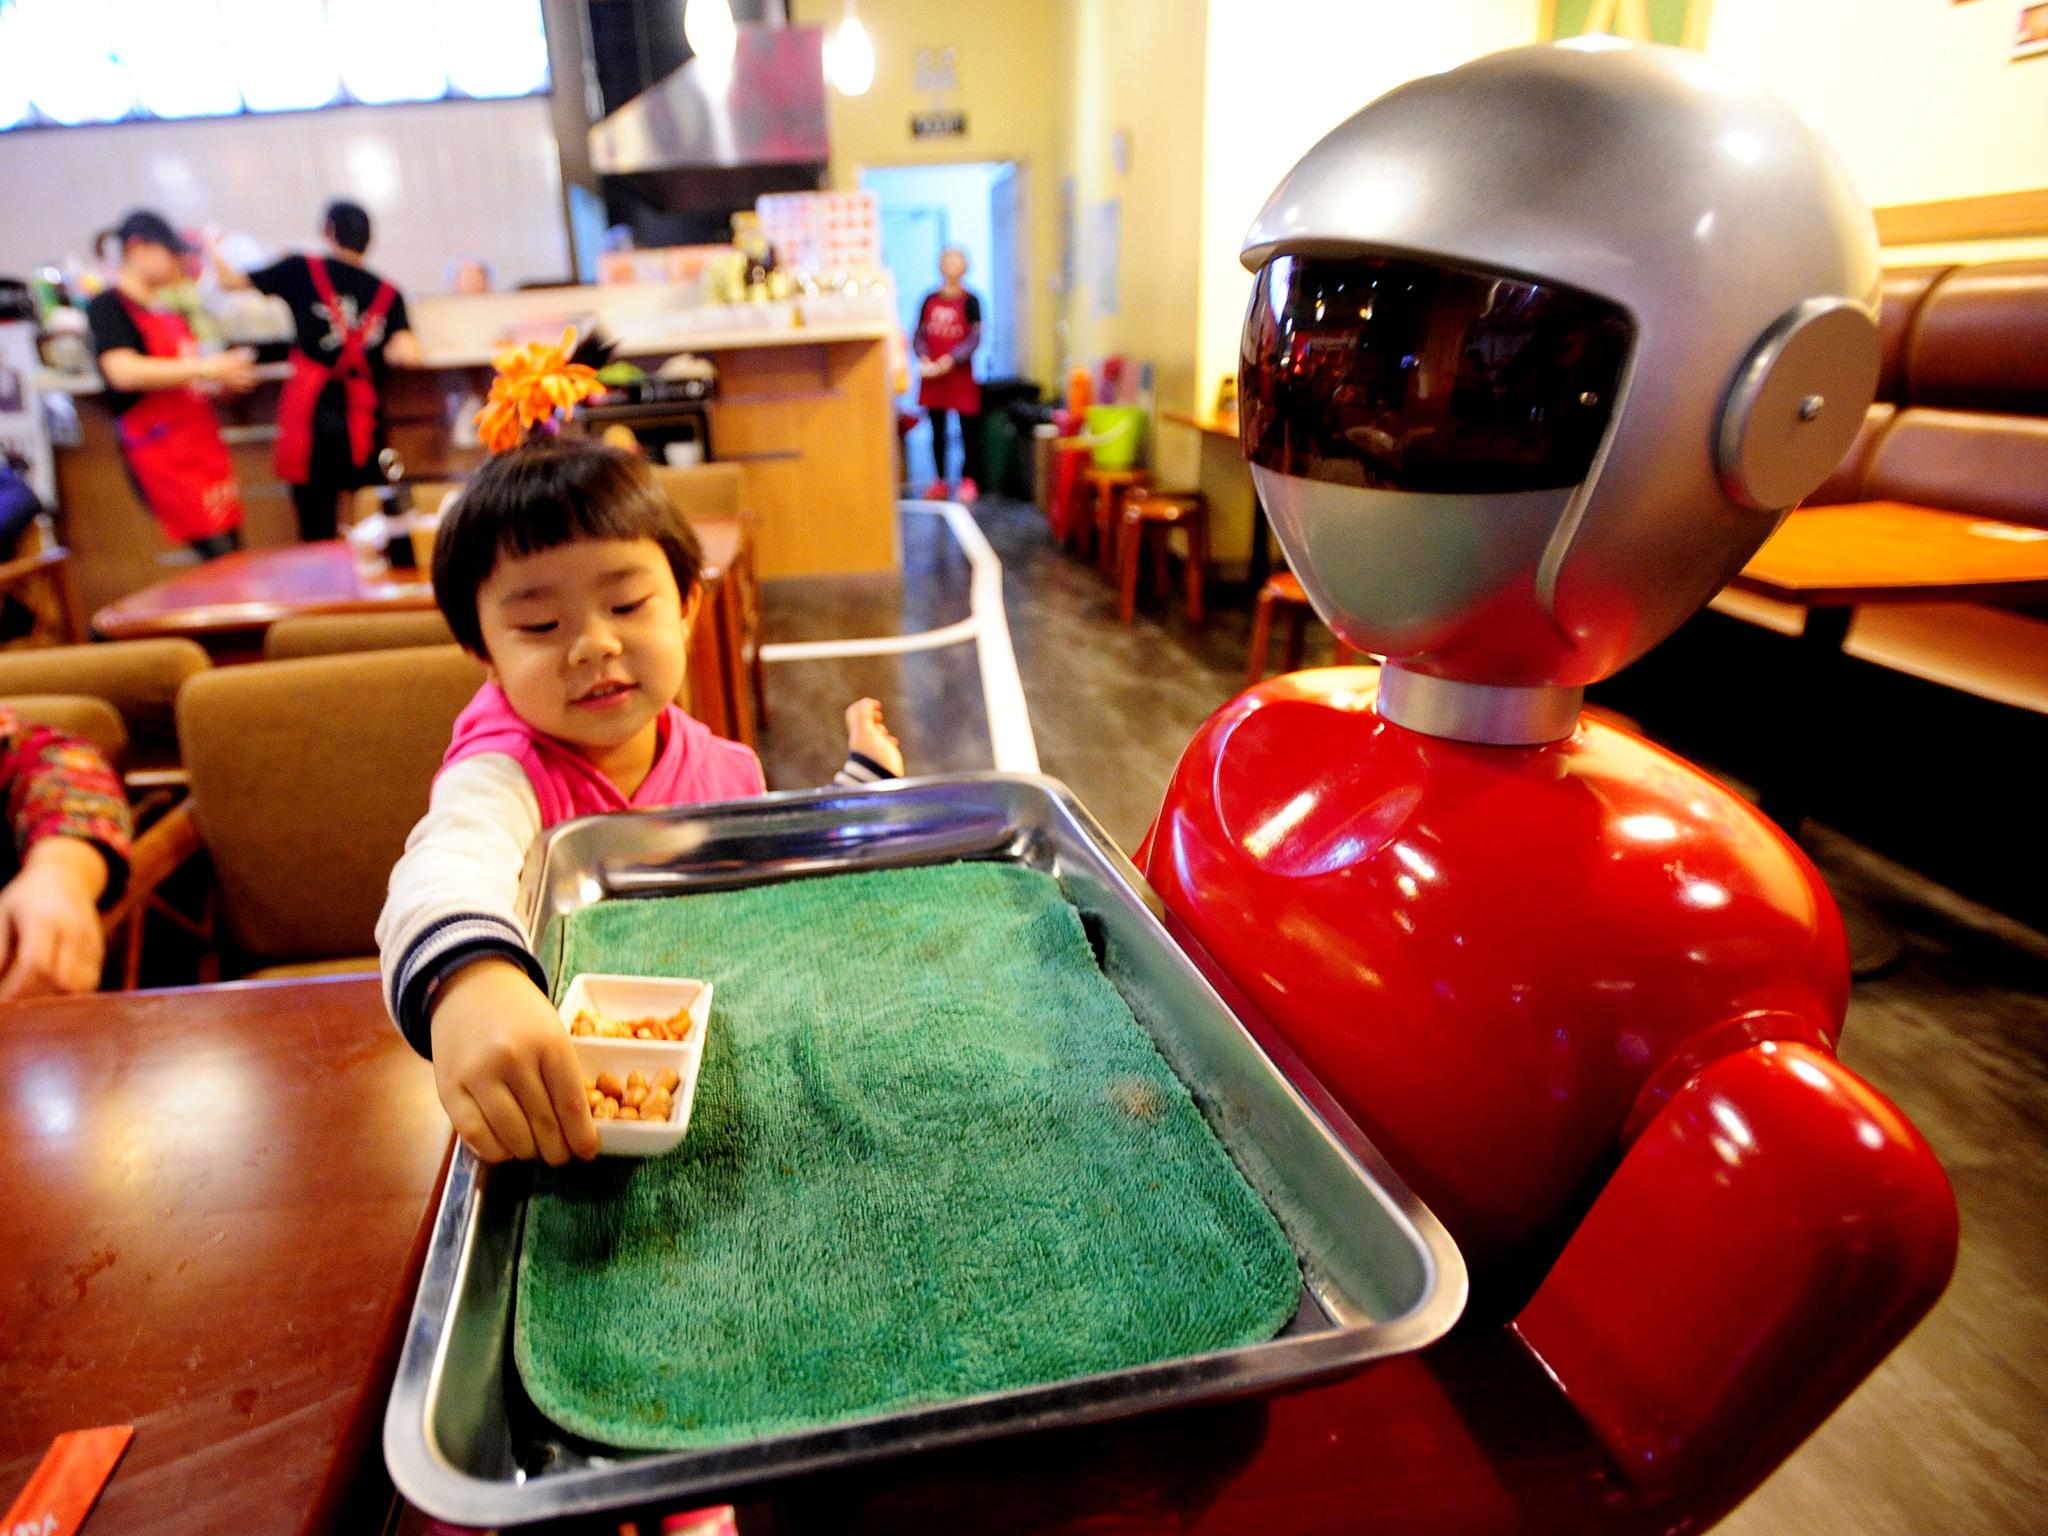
column 1540, row 350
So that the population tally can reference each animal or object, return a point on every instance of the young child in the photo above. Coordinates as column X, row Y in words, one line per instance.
column 566, row 570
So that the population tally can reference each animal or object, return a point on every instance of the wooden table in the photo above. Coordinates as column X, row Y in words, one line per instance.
column 217, row 1204
column 1832, row 560
column 1895, row 552
column 227, row 604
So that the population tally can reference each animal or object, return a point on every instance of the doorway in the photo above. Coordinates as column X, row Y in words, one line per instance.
column 980, row 207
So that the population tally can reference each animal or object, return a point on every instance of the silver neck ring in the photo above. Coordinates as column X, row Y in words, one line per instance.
column 1490, row 714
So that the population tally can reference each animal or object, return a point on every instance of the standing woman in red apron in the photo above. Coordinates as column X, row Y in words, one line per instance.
column 948, row 331
column 350, row 326
column 157, row 386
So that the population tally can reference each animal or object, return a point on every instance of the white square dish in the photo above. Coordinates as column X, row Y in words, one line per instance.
column 626, row 998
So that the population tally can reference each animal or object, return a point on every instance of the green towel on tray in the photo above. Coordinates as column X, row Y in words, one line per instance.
column 932, row 1156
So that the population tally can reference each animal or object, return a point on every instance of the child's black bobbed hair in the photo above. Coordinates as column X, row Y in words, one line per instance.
column 549, row 492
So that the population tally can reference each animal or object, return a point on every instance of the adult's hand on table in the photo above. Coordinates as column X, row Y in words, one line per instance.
column 505, row 1070
column 50, row 933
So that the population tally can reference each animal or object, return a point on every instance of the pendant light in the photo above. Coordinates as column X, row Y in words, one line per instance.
column 850, row 55
column 709, row 30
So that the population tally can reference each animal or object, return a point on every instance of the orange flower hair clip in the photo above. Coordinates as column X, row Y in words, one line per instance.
column 534, row 382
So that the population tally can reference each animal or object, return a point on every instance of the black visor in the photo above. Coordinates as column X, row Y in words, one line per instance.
column 1406, row 376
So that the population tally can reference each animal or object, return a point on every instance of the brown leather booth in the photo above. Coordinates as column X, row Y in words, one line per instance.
column 1961, row 423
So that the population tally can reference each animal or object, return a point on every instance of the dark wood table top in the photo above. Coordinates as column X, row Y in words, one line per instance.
column 254, row 588
column 217, row 1202
column 246, row 592
column 1895, row 552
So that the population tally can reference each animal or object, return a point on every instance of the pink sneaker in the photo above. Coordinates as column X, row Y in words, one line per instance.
column 968, row 491
column 936, row 491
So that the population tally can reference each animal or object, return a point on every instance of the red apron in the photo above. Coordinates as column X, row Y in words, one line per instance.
column 301, row 393
column 173, row 445
column 943, row 327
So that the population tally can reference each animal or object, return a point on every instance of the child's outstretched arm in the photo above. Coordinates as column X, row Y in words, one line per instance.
column 461, row 981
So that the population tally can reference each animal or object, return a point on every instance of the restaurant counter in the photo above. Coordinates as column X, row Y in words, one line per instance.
column 805, row 413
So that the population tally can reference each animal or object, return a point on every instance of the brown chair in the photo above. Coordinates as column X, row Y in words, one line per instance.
column 336, row 634
column 306, row 777
column 1282, row 596
column 139, row 678
column 1150, row 518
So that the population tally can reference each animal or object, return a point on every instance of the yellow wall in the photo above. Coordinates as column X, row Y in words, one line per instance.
column 1007, row 85
column 1133, row 72
column 1919, row 97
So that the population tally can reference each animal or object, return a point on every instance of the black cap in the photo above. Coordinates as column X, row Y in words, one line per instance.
column 151, row 229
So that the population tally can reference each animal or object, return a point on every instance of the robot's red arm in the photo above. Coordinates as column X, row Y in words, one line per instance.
column 1775, row 1229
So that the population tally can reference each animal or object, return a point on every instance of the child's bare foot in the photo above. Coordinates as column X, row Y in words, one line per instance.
column 867, row 735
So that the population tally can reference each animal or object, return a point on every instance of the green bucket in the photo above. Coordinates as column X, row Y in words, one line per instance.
column 1116, row 433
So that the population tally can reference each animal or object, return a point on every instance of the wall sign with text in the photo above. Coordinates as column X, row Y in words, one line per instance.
column 938, row 125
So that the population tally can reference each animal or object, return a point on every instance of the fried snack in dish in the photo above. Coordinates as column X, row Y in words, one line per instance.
column 592, row 1023
column 639, row 1097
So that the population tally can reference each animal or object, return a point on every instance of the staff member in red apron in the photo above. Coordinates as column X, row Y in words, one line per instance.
column 157, row 385
column 351, row 327
column 948, row 331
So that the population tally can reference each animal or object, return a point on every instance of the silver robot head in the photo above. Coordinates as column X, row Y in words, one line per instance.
column 1539, row 351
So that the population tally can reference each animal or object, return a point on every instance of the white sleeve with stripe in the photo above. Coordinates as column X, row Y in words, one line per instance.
column 455, row 891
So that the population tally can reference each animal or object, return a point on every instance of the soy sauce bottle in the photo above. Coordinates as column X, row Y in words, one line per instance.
column 394, row 501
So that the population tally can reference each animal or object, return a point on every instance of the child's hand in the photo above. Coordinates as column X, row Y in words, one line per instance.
column 505, row 1070
column 867, row 735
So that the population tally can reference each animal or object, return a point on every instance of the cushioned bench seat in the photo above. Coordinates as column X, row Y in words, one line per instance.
column 1961, row 423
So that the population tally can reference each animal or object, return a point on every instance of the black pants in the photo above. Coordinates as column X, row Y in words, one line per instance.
column 316, row 503
column 214, row 545
column 970, row 445
column 332, row 471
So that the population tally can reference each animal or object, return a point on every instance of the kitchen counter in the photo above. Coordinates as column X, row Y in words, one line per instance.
column 667, row 341
column 805, row 412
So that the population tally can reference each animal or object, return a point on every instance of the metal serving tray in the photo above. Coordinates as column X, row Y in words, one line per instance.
column 1380, row 1276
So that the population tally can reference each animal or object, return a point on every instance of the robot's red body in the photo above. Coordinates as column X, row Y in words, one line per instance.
column 1585, row 1000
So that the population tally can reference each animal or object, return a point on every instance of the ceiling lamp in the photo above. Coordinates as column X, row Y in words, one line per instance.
column 850, row 55
column 709, row 30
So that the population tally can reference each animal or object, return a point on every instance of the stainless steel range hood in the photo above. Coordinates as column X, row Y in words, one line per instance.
column 710, row 139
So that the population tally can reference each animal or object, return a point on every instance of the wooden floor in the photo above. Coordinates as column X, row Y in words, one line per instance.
column 1950, row 1436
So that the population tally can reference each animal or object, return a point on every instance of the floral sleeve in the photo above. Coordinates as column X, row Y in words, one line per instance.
column 56, row 785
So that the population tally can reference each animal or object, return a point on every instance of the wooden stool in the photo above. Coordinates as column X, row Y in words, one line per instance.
column 1111, row 486
column 1152, row 516
column 1283, row 590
